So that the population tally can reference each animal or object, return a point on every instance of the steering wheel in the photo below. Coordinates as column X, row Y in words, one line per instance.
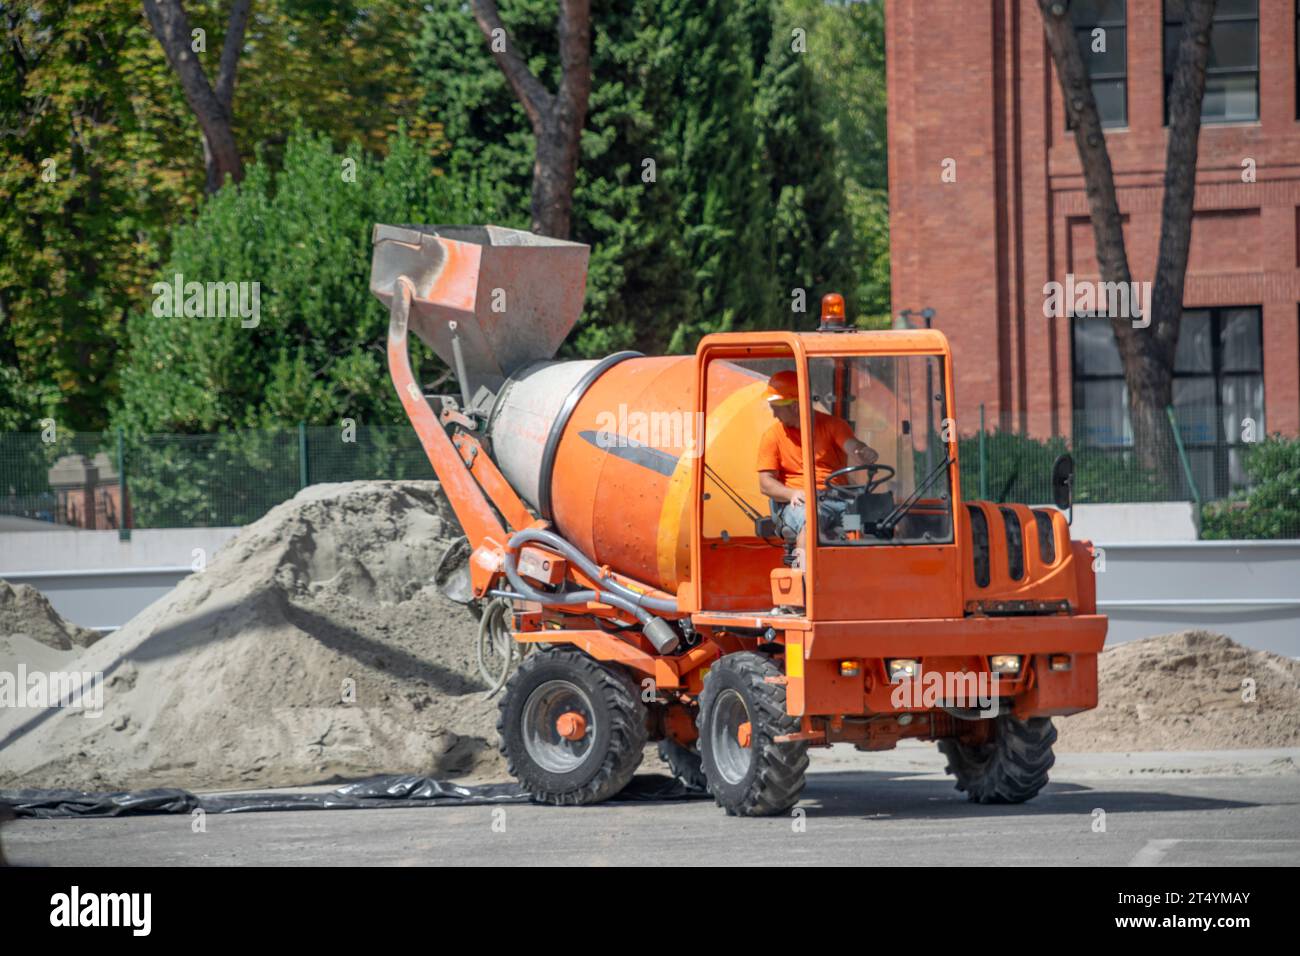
column 874, row 480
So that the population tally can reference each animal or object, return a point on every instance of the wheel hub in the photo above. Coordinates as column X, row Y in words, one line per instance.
column 731, row 736
column 571, row 725
column 559, row 726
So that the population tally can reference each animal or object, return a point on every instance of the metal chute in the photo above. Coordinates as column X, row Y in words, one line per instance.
column 501, row 298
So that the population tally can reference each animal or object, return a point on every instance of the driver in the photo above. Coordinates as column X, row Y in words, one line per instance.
column 781, row 474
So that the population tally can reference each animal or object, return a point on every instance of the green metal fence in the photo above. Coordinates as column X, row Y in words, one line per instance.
column 1240, row 489
column 232, row 478
column 173, row 481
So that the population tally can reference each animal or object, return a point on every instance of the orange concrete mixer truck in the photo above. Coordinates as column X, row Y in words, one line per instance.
column 644, row 527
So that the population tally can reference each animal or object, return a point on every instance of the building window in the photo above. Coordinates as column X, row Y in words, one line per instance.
column 1232, row 74
column 1218, row 391
column 1100, row 27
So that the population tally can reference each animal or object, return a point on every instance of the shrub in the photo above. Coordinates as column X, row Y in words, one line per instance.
column 315, row 356
column 303, row 234
column 1019, row 469
column 1271, row 508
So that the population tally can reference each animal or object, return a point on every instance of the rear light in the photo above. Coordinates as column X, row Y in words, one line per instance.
column 850, row 668
column 903, row 668
column 1059, row 662
column 1005, row 663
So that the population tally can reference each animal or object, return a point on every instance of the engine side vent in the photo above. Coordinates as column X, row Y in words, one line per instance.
column 1015, row 544
column 979, row 533
column 1046, row 537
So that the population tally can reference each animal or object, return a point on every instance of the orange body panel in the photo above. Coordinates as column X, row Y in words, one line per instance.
column 622, row 473
column 472, row 509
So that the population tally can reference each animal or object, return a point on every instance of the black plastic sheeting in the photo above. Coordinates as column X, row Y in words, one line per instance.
column 374, row 793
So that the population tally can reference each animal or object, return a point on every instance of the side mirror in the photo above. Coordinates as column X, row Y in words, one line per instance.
column 1063, row 484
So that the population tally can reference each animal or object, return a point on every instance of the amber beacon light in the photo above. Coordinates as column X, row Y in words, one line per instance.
column 832, row 313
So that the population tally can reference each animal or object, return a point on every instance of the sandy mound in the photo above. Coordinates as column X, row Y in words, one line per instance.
column 1184, row 691
column 312, row 648
column 25, row 611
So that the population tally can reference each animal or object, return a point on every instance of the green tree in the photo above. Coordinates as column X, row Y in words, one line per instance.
column 667, row 192
column 302, row 233
column 87, row 181
column 623, row 208
column 723, row 211
column 846, row 53
column 810, row 244
column 636, row 283
column 101, row 157
column 341, row 67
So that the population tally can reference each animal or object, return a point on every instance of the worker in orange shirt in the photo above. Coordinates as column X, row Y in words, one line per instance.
column 781, row 473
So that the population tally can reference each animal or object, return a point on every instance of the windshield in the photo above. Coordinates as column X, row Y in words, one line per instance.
column 882, row 471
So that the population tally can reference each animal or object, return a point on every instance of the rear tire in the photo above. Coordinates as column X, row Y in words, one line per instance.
column 1010, row 768
column 766, row 777
column 685, row 763
column 562, row 771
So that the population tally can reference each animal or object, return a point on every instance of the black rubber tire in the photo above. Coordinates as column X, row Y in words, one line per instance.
column 620, row 728
column 1011, row 768
column 685, row 764
column 774, row 778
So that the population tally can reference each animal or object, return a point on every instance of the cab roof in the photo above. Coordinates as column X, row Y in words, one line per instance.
column 857, row 342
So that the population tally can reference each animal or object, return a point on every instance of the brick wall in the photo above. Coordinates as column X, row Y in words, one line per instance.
column 972, row 91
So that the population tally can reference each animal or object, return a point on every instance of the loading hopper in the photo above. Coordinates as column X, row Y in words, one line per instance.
column 513, row 296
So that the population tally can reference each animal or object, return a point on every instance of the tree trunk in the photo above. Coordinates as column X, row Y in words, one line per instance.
column 211, row 107
column 1147, row 350
column 556, row 118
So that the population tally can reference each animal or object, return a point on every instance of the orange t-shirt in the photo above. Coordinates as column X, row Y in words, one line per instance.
column 779, row 449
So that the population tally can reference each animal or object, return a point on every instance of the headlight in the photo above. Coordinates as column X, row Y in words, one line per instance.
column 903, row 668
column 1005, row 663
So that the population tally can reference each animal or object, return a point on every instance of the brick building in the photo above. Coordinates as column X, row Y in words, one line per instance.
column 987, row 206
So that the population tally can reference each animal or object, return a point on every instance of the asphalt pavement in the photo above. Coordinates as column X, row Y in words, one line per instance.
column 898, row 808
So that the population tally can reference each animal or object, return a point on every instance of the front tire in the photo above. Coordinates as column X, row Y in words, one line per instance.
column 1011, row 767
column 741, row 714
column 573, row 730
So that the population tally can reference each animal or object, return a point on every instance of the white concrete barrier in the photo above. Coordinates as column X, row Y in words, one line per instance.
column 1146, row 521
column 95, row 579
column 1248, row 590
column 65, row 549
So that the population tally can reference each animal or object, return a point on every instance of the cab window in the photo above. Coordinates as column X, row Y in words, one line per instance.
column 883, row 475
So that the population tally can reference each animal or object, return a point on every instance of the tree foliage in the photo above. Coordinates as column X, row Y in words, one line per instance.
column 87, row 184
column 810, row 245
column 1271, row 509
column 700, row 211
column 846, row 53
column 303, row 233
column 102, row 158
column 693, row 167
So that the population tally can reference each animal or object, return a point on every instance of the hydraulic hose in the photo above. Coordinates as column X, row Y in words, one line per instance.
column 589, row 567
column 659, row 632
column 493, row 639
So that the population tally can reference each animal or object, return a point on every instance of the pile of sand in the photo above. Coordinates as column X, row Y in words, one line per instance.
column 25, row 612
column 313, row 647
column 1188, row 691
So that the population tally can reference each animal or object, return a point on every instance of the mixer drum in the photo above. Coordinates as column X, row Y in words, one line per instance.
column 605, row 449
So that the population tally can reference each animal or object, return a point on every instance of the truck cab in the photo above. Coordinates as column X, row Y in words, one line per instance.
column 902, row 585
